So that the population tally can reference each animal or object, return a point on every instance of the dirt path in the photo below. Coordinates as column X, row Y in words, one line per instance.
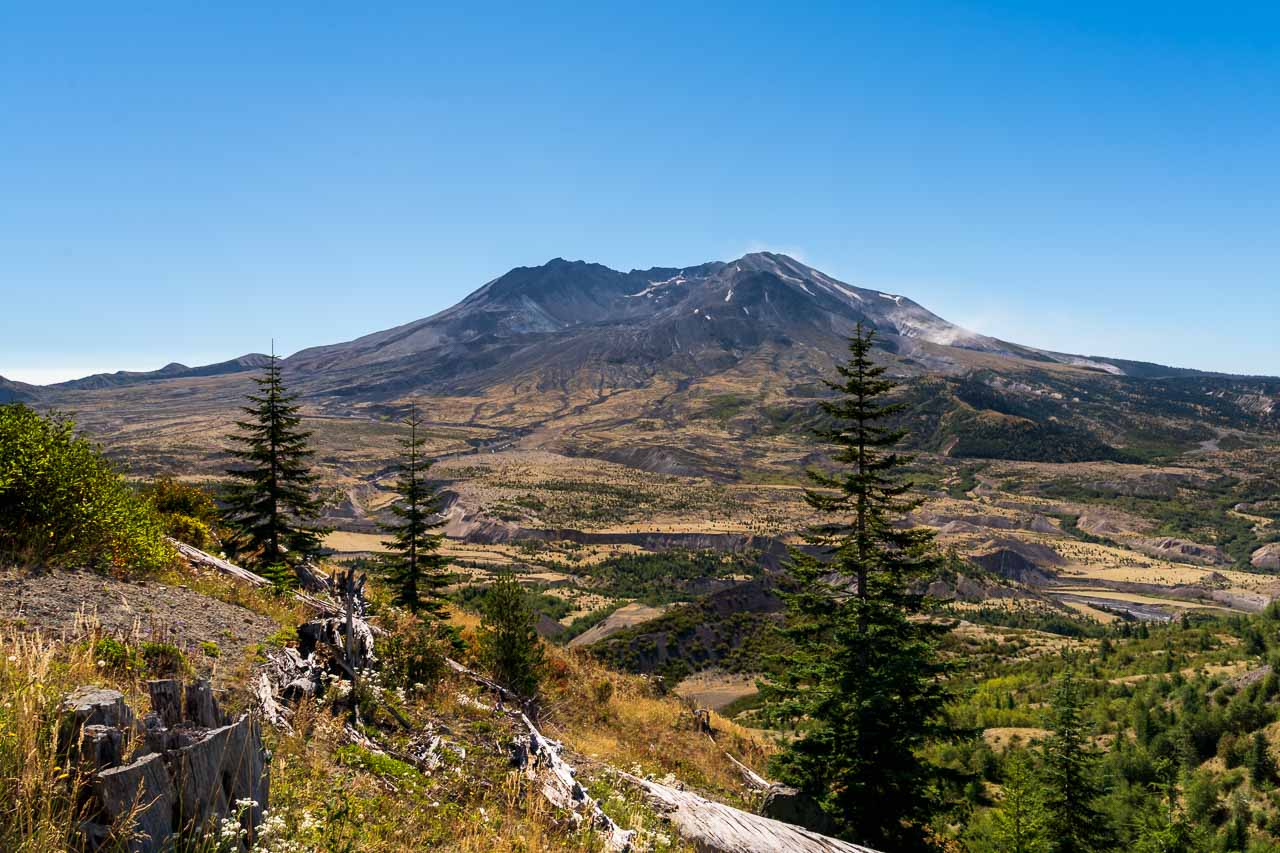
column 62, row 600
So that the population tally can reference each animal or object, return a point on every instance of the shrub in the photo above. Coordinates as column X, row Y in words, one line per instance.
column 61, row 502
column 174, row 497
column 115, row 655
column 188, row 513
column 164, row 659
column 412, row 652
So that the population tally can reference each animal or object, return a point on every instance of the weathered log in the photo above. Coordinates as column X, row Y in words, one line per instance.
column 713, row 827
column 166, row 700
column 182, row 779
column 101, row 746
column 91, row 706
column 217, row 771
column 540, row 758
column 272, row 711
column 199, row 557
column 97, row 706
column 751, row 777
column 195, row 555
column 144, row 793
column 563, row 790
column 201, row 707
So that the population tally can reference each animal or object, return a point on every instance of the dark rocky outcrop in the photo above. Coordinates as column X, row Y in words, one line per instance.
column 790, row 805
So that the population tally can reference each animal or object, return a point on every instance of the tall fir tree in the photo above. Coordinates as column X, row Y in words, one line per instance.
column 414, row 567
column 271, row 508
column 863, row 679
column 1072, row 785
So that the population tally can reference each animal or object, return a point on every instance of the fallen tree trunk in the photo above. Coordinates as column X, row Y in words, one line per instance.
column 200, row 558
column 713, row 827
column 542, row 762
column 540, row 758
column 751, row 777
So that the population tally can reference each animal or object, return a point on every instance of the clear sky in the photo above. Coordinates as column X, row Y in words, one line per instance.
column 184, row 181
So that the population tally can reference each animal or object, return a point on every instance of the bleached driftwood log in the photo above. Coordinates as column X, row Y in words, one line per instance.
column 713, row 827
column 539, row 757
column 200, row 558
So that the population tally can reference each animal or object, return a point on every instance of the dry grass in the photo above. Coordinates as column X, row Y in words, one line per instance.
column 618, row 720
column 39, row 793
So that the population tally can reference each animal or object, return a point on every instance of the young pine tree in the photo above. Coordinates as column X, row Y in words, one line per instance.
column 862, row 681
column 1019, row 824
column 509, row 644
column 1071, row 780
column 414, row 566
column 271, row 507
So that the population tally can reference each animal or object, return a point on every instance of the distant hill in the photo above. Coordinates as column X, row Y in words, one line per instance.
column 174, row 370
column 17, row 392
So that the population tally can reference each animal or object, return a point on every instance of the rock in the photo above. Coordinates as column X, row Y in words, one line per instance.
column 1186, row 550
column 790, row 805
column 1267, row 557
column 1041, row 524
column 1014, row 565
column 1097, row 524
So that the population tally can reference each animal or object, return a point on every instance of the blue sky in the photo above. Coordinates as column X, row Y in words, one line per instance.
column 183, row 181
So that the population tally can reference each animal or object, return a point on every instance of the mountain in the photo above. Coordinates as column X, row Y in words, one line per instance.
column 699, row 369
column 17, row 392
column 546, row 324
column 173, row 370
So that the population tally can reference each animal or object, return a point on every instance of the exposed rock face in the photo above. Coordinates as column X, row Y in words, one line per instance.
column 1010, row 564
column 184, row 767
column 790, row 805
column 1182, row 549
column 1267, row 557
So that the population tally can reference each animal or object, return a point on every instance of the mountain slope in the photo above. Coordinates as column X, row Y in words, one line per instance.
column 583, row 359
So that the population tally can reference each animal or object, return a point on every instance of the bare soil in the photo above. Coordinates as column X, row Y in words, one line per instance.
column 70, row 602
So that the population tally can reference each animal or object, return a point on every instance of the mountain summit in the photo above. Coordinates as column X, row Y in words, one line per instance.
column 545, row 323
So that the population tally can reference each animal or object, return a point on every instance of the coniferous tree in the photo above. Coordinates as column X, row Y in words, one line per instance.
column 1162, row 823
column 862, row 681
column 414, row 566
column 1071, row 780
column 1019, row 825
column 509, row 643
column 1259, row 762
column 271, row 509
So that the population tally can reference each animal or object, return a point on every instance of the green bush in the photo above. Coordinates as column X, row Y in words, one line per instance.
column 164, row 659
column 62, row 504
column 116, row 655
column 412, row 652
column 188, row 513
